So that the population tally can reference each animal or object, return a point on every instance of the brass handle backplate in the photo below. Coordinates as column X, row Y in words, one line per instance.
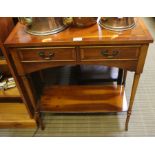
column 49, row 56
column 110, row 55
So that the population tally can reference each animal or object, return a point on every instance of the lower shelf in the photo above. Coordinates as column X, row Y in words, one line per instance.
column 12, row 93
column 3, row 62
column 15, row 115
column 79, row 99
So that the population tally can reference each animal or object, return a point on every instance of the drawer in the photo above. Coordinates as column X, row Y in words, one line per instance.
column 47, row 54
column 109, row 52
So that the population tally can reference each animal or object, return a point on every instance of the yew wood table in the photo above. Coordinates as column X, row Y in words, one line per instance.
column 94, row 45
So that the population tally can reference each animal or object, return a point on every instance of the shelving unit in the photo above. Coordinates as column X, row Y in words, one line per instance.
column 13, row 112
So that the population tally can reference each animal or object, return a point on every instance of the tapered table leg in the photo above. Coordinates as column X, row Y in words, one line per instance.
column 39, row 120
column 133, row 92
column 124, row 77
column 120, row 76
column 30, row 90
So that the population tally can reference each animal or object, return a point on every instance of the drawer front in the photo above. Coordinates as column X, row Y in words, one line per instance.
column 109, row 53
column 47, row 54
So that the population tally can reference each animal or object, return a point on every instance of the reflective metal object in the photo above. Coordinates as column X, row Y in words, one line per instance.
column 117, row 23
column 81, row 21
column 46, row 57
column 43, row 25
column 109, row 55
column 7, row 83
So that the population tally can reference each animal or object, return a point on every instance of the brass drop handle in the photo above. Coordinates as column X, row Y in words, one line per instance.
column 108, row 55
column 67, row 20
column 46, row 57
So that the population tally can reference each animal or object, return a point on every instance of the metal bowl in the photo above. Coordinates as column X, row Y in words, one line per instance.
column 117, row 23
column 43, row 25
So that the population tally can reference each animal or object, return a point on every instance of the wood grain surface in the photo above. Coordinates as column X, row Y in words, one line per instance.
column 15, row 115
column 90, row 36
column 84, row 99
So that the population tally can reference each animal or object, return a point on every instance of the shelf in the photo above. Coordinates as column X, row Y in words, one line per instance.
column 3, row 62
column 79, row 99
column 15, row 115
column 10, row 93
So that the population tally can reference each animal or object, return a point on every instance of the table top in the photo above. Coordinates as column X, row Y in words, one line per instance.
column 93, row 35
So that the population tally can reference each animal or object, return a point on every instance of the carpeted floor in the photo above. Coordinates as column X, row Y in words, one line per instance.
column 142, row 122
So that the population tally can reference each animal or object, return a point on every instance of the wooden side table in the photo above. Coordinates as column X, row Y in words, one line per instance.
column 126, row 50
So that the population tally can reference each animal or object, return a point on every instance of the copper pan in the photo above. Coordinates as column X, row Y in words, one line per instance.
column 80, row 21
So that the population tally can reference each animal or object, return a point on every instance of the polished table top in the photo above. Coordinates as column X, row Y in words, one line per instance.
column 94, row 35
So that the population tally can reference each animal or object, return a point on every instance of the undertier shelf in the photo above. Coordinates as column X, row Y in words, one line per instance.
column 3, row 62
column 15, row 115
column 12, row 93
column 110, row 98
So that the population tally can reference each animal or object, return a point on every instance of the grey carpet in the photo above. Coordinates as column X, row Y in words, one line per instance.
column 142, row 122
